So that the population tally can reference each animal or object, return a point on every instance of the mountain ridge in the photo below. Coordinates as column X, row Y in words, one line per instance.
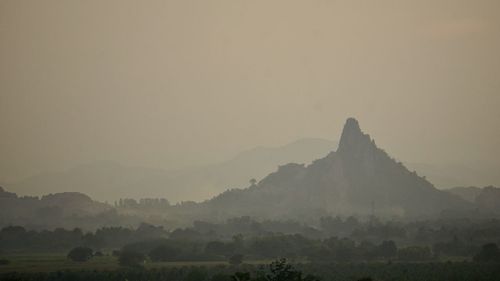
column 106, row 180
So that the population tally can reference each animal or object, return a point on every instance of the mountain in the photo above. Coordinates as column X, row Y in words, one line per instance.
column 110, row 181
column 5, row 194
column 489, row 199
column 358, row 178
column 468, row 193
column 486, row 198
column 446, row 176
column 100, row 180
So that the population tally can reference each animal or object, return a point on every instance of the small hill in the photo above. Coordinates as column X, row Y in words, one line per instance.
column 468, row 193
column 52, row 210
column 489, row 199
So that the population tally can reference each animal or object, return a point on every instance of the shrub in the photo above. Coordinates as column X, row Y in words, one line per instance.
column 80, row 254
column 131, row 258
column 163, row 253
column 236, row 259
column 489, row 253
column 414, row 253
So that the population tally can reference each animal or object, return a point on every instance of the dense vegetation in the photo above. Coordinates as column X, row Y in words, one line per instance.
column 334, row 239
column 332, row 248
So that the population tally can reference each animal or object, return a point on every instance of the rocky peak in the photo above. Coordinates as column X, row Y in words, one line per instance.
column 353, row 140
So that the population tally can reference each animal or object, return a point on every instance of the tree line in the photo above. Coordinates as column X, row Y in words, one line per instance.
column 333, row 238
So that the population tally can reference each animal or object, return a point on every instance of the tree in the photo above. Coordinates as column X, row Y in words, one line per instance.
column 80, row 254
column 414, row 253
column 238, row 242
column 280, row 270
column 236, row 259
column 488, row 253
column 218, row 248
column 163, row 253
column 253, row 182
column 387, row 249
column 130, row 258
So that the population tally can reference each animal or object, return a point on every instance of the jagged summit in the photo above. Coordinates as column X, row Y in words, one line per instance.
column 358, row 151
column 352, row 138
column 351, row 127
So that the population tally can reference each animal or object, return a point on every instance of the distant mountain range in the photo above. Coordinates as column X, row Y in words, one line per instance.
column 357, row 179
column 487, row 198
column 111, row 181
column 445, row 176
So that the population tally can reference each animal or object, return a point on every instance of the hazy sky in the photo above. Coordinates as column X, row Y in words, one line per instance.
column 174, row 83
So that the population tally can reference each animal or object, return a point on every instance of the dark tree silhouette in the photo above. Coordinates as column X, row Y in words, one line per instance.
column 387, row 249
column 163, row 253
column 280, row 270
column 236, row 259
column 80, row 254
column 489, row 253
column 253, row 182
column 131, row 258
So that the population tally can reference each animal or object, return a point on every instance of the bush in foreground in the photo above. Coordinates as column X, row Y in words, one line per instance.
column 278, row 270
column 80, row 254
column 163, row 253
column 236, row 259
column 489, row 253
column 131, row 258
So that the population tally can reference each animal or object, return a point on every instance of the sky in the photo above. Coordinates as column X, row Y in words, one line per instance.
column 179, row 83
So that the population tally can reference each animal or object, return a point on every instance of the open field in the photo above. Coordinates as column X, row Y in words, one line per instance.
column 58, row 267
column 59, row 262
column 54, row 262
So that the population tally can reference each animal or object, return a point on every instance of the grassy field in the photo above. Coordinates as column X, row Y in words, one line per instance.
column 58, row 268
column 56, row 262
column 36, row 262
